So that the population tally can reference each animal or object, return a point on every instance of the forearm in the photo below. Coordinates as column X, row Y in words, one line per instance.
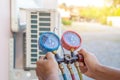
column 51, row 77
column 106, row 73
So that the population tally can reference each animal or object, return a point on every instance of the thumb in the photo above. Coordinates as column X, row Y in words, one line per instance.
column 50, row 56
column 83, row 52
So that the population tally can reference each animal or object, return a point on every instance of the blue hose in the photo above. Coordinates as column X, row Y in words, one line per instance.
column 64, row 76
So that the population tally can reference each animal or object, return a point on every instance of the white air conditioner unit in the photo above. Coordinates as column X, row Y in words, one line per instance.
column 38, row 21
column 24, row 51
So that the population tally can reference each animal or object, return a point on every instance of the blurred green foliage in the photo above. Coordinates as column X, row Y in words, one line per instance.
column 99, row 14
column 66, row 22
column 92, row 13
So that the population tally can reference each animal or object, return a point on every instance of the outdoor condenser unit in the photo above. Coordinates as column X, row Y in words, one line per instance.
column 24, row 49
column 37, row 21
column 28, row 21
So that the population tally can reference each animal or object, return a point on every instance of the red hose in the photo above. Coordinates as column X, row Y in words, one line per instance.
column 71, row 71
column 73, row 76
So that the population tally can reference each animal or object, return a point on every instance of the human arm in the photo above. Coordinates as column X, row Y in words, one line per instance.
column 107, row 73
column 47, row 68
column 94, row 69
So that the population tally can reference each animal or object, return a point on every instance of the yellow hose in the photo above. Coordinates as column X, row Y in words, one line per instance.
column 78, row 70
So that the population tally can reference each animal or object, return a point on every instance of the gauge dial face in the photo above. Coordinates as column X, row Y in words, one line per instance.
column 50, row 41
column 72, row 39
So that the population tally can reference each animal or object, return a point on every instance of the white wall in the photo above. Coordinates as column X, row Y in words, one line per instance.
column 47, row 4
column 4, row 38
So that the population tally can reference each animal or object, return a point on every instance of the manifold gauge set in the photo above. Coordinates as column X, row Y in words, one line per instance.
column 71, row 41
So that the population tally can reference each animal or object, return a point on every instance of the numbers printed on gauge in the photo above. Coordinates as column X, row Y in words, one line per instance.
column 49, row 41
column 71, row 40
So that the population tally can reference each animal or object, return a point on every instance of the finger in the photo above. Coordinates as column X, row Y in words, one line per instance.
column 36, row 72
column 89, row 74
column 83, row 52
column 41, row 58
column 81, row 64
column 38, row 63
column 40, row 78
column 83, row 69
column 50, row 56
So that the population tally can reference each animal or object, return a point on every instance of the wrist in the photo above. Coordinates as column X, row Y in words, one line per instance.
column 54, row 76
column 98, row 68
column 98, row 71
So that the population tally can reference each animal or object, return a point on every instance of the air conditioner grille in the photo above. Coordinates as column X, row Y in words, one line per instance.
column 34, row 26
column 44, row 19
column 44, row 14
column 38, row 22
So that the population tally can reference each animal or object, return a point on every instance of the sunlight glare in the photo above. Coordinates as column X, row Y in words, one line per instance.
column 98, row 3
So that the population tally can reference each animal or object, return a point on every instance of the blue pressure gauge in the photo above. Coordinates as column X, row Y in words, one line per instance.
column 48, row 42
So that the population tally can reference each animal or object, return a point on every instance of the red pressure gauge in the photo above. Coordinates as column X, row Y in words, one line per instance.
column 71, row 40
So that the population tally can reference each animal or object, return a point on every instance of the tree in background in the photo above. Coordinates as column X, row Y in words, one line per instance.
column 99, row 14
column 115, row 3
column 63, row 6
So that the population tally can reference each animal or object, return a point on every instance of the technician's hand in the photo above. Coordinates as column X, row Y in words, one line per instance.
column 90, row 65
column 47, row 68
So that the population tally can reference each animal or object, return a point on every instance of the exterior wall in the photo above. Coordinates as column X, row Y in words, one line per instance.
column 47, row 4
column 4, row 38
column 5, row 35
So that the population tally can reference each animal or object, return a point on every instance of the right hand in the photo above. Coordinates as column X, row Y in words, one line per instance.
column 90, row 64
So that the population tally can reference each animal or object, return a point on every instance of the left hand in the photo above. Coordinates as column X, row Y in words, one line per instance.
column 47, row 67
